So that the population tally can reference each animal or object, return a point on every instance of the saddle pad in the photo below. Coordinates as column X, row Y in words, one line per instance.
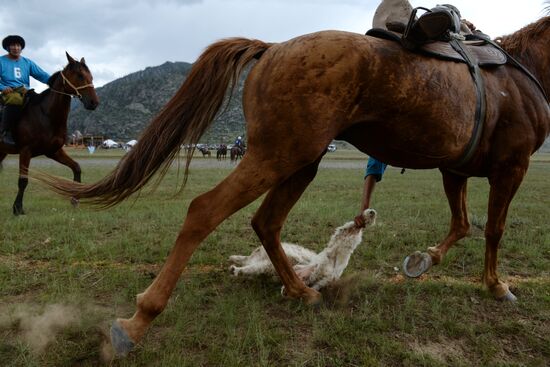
column 486, row 54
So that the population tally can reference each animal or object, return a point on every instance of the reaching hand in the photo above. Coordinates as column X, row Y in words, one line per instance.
column 360, row 221
column 7, row 90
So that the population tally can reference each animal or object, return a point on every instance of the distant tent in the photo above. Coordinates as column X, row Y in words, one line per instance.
column 129, row 145
column 109, row 144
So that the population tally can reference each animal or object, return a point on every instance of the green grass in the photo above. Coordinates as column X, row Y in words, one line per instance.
column 95, row 262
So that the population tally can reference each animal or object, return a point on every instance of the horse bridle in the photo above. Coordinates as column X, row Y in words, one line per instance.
column 76, row 89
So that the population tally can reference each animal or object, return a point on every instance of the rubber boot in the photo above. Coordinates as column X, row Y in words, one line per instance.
column 9, row 116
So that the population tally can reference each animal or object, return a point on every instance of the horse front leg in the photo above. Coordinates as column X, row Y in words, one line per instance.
column 22, row 182
column 268, row 222
column 503, row 188
column 455, row 190
column 205, row 213
column 62, row 157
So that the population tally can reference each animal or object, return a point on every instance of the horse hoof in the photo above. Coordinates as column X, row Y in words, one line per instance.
column 75, row 202
column 417, row 264
column 18, row 211
column 121, row 342
column 508, row 297
column 313, row 299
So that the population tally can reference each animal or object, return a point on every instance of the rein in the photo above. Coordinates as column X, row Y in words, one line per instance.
column 76, row 89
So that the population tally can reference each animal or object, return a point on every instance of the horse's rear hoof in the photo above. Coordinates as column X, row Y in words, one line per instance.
column 417, row 264
column 121, row 342
column 75, row 202
column 310, row 296
column 313, row 298
column 508, row 297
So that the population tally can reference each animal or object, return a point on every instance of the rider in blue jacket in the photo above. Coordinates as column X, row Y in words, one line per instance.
column 15, row 73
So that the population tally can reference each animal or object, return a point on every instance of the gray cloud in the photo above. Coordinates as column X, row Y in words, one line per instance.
column 118, row 37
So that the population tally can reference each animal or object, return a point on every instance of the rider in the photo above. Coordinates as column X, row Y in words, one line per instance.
column 239, row 142
column 14, row 82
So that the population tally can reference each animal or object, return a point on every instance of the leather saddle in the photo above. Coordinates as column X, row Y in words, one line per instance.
column 437, row 33
column 486, row 53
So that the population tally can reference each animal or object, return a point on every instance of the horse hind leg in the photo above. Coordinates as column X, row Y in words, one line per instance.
column 240, row 188
column 455, row 189
column 268, row 222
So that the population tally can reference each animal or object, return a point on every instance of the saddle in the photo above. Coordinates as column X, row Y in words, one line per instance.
column 437, row 33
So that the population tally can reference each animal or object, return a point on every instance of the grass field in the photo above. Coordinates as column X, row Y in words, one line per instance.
column 66, row 273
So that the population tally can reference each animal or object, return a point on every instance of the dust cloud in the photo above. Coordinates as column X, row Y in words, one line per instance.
column 37, row 329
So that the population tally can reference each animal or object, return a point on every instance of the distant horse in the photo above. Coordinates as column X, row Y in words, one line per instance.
column 42, row 127
column 404, row 108
column 236, row 153
column 205, row 152
column 221, row 153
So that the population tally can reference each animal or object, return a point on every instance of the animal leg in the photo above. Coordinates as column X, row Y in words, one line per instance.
column 503, row 189
column 239, row 189
column 455, row 189
column 268, row 222
column 22, row 182
column 62, row 157
column 304, row 271
column 260, row 267
column 238, row 259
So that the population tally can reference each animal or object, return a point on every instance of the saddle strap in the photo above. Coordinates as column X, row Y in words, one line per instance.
column 481, row 104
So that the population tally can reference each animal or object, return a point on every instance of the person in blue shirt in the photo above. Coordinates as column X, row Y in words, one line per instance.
column 15, row 73
column 373, row 174
column 239, row 142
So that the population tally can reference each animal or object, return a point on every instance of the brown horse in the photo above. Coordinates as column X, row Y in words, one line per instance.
column 205, row 152
column 221, row 153
column 404, row 108
column 42, row 128
column 236, row 153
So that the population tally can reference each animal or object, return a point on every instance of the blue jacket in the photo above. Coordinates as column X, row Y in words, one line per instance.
column 16, row 73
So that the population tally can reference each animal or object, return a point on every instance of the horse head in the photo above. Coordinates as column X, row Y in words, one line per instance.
column 77, row 81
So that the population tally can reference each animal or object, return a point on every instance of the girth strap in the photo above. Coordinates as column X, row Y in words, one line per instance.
column 481, row 104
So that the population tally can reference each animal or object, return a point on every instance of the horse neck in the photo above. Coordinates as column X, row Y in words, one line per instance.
column 529, row 46
column 57, row 106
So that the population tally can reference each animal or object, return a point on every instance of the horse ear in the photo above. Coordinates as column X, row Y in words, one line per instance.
column 82, row 61
column 69, row 58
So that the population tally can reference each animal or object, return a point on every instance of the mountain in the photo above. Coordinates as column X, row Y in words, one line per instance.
column 128, row 104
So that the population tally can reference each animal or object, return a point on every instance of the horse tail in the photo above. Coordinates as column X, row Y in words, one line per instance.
column 183, row 120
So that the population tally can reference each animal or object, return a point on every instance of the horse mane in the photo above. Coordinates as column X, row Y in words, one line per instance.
column 518, row 42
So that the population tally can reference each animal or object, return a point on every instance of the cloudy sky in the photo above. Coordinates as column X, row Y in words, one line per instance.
column 118, row 37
